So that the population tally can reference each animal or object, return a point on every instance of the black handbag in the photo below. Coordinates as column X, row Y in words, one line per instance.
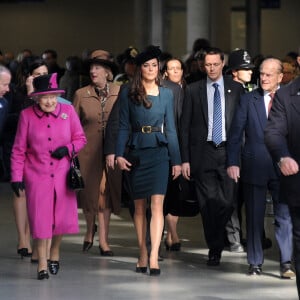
column 74, row 177
column 181, row 198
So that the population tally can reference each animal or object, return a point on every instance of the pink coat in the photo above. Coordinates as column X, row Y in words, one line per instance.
column 52, row 206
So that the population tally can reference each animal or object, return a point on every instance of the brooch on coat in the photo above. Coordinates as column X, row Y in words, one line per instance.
column 64, row 116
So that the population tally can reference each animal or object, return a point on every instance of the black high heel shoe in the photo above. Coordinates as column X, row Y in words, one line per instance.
column 53, row 266
column 105, row 253
column 88, row 245
column 140, row 269
column 175, row 247
column 172, row 247
column 23, row 252
column 42, row 275
column 167, row 245
column 154, row 272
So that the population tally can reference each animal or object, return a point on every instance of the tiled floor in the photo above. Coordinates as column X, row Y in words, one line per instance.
column 89, row 276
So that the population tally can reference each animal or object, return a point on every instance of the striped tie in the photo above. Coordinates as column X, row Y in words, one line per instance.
column 270, row 102
column 217, row 117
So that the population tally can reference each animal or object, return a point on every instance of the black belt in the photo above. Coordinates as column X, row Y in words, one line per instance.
column 221, row 145
column 147, row 129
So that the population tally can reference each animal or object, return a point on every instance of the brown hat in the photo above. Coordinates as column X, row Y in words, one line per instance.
column 103, row 58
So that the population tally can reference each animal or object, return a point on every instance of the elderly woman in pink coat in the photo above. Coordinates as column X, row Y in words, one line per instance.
column 46, row 135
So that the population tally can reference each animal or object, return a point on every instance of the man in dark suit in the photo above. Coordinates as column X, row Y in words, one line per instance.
column 258, row 172
column 282, row 137
column 204, row 156
column 5, row 78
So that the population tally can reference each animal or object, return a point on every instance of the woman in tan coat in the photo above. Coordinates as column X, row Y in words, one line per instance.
column 102, row 192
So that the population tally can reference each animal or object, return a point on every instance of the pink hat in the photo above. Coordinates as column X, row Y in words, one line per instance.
column 46, row 84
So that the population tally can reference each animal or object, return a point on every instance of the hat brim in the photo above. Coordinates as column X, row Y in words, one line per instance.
column 46, row 92
column 105, row 63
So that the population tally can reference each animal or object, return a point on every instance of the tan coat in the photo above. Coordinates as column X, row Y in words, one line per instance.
column 91, row 158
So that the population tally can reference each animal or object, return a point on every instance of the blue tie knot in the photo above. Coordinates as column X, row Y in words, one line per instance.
column 215, row 85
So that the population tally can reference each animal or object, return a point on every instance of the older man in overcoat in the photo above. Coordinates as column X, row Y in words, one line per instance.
column 282, row 137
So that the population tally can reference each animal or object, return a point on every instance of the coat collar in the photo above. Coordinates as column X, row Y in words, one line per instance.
column 41, row 113
column 90, row 90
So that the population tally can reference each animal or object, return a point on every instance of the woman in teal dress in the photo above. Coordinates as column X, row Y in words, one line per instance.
column 147, row 128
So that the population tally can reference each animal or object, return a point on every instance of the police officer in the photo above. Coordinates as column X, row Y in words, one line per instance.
column 241, row 68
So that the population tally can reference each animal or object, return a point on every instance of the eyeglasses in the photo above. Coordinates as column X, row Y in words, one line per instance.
column 215, row 65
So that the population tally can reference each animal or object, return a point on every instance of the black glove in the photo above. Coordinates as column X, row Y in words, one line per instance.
column 16, row 186
column 60, row 152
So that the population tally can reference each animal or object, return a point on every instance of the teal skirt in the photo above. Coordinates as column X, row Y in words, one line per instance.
column 150, row 172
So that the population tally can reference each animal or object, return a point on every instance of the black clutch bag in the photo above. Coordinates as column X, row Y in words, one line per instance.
column 133, row 159
column 74, row 177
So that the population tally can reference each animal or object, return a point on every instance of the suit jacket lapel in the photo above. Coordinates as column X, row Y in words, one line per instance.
column 229, row 103
column 260, row 108
column 295, row 102
column 203, row 93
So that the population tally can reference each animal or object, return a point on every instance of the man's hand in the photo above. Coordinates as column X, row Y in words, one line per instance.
column 288, row 166
column 186, row 170
column 234, row 173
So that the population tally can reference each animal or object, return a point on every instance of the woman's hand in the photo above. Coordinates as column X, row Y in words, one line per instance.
column 176, row 171
column 110, row 161
column 123, row 164
column 60, row 152
column 29, row 84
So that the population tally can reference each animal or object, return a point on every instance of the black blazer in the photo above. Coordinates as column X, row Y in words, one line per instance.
column 194, row 119
column 3, row 113
column 282, row 136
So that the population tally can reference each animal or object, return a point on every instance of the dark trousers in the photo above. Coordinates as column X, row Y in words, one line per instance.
column 295, row 216
column 255, row 200
column 216, row 194
column 233, row 226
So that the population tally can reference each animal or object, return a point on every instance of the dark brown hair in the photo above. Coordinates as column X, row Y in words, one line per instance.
column 212, row 51
column 137, row 92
